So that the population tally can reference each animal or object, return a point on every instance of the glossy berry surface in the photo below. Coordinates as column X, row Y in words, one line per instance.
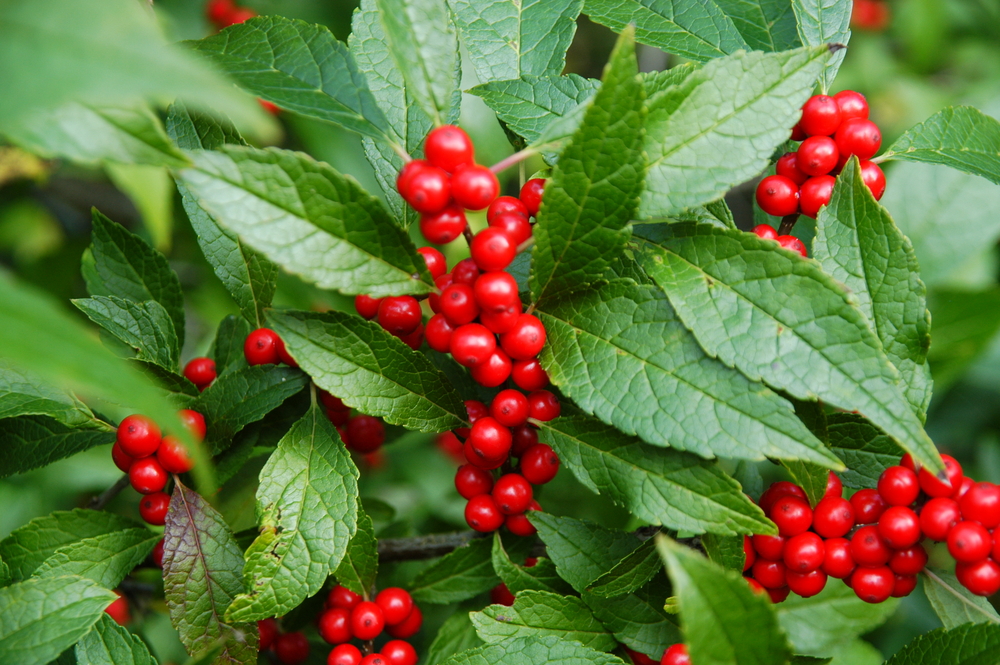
column 851, row 104
column 438, row 333
column 838, row 561
column 677, row 654
column 344, row 654
column 938, row 516
column 793, row 244
column 200, row 371
column 472, row 344
column 820, row 116
column 868, row 506
column 458, row 304
column 119, row 611
column 817, row 155
column 969, row 541
column 472, row 481
column 494, row 371
column 506, row 205
column 980, row 577
column 520, row 525
column 526, row 339
column 769, row 547
column 138, row 436
column 335, row 625
column 509, row 408
column 778, row 196
column 770, row 574
column 792, row 516
column 874, row 178
column 860, row 137
column 543, row 406
column 449, row 148
column 815, row 193
column 868, row 548
column 937, row 487
column 539, row 464
column 804, row 553
column 121, row 458
column 427, row 190
column 482, row 514
column 899, row 527
column 367, row 620
column 516, row 227
column 898, row 486
column 147, row 476
column 873, row 585
column 444, row 225
column 529, row 375
column 435, row 261
column 512, row 494
column 474, row 187
column 153, row 508
column 531, row 195
column 765, row 231
column 982, row 504
column 833, row 517
column 492, row 249
column 342, row 597
column 396, row 604
column 909, row 561
column 291, row 648
column 489, row 439
column 398, row 652
column 399, row 315
column 788, row 166
column 409, row 627
column 806, row 585
column 173, row 456
column 495, row 291
column 366, row 306
column 261, row 347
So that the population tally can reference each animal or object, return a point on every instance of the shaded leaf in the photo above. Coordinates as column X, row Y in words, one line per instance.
column 809, row 477
column 965, row 324
column 143, row 326
column 540, row 613
column 819, row 624
column 459, row 575
column 630, row 573
column 953, row 603
column 540, row 577
column 582, row 551
column 31, row 442
column 530, row 104
column 823, row 22
column 638, row 619
column 106, row 558
column 766, row 25
column 358, row 569
column 227, row 349
column 966, row 645
column 457, row 634
column 107, row 643
column 24, row 394
column 727, row 551
column 865, row 450
column 540, row 649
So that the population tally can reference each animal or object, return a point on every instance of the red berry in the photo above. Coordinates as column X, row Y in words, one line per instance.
column 870, row 15
column 399, row 315
column 980, row 577
column 868, row 506
column 873, row 177
column 118, row 610
column 194, row 422
column 899, row 527
column 261, row 347
column 458, row 304
column 494, row 371
column 529, row 375
column 284, row 356
column 153, row 508
column 969, row 541
column 409, row 627
column 851, row 104
column 677, row 654
column 981, row 504
column 833, row 517
column 793, row 244
column 938, row 516
column 335, row 625
column 765, row 231
column 834, row 488
column 506, row 205
column 268, row 630
column 754, row 585
column 495, row 291
column 808, row 584
column 904, row 585
column 475, row 187
column 121, row 458
column 436, row 263
column 815, row 194
column 342, row 597
column 240, row 15
column 200, row 371
column 501, row 595
column 434, row 299
column 492, row 249
column 398, row 652
column 792, row 516
column 443, row 226
column 415, row 339
column 524, row 437
column 503, row 321
column 778, row 490
column 157, row 554
column 138, row 436
column 475, row 410
column 373, row 659
column 344, row 654
column 465, row 272
column 771, row 548
column 778, row 196
column 749, row 555
column 804, row 553
column 860, row 137
column 770, row 574
column 531, row 195
column 519, row 525
column 365, row 433
column 449, row 148
column 367, row 620
column 873, row 585
column 483, row 514
column 820, row 116
column 173, row 456
column 909, row 561
column 898, row 486
column 868, row 548
column 367, row 306
column 472, row 481
column 934, row 486
column 817, row 155
column 489, row 439
column 515, row 226
column 472, row 344
column 218, row 11
column 512, row 494
column 396, row 604
column 526, row 340
column 967, row 484
column 838, row 561
column 543, row 406
column 639, row 658
column 291, row 648
column 147, row 476
column 428, row 190
column 510, row 408
column 438, row 333
column 788, row 166
column 539, row 464
column 797, row 133
column 778, row 595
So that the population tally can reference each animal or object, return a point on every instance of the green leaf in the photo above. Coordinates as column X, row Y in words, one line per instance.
column 947, row 215
column 594, row 189
column 694, row 30
column 961, row 137
column 358, row 569
column 823, row 22
column 858, row 244
column 541, row 613
column 244, row 396
column 308, row 503
column 582, row 551
column 819, row 624
column 809, row 477
column 540, row 577
column 370, row 370
column 227, row 349
column 95, row 134
column 422, row 40
column 506, row 40
column 766, row 25
column 825, row 350
column 660, row 486
column 41, row 618
column 125, row 266
column 621, row 352
column 865, row 450
column 808, row 660
column 638, row 619
column 301, row 67
column 534, row 649
column 201, row 577
column 144, row 326
column 459, row 575
column 108, row 53
column 457, row 634
column 719, row 126
column 27, row 547
column 727, row 551
column 723, row 620
column 970, row 644
column 299, row 212
column 106, row 558
column 630, row 573
column 249, row 277
column 151, row 189
column 107, row 643
column 953, row 603
column 530, row 104
column 24, row 394
column 965, row 324
column 31, row 442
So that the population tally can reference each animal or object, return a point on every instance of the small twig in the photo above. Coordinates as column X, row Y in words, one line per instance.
column 787, row 223
column 516, row 158
column 399, row 150
column 526, row 244
column 467, row 233
column 101, row 500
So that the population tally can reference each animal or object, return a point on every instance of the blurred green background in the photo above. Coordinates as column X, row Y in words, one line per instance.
column 931, row 55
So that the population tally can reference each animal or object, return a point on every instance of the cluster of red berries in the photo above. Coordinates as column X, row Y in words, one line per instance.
column 831, row 130
column 148, row 457
column 224, row 13
column 870, row 15
column 676, row 654
column 348, row 616
column 364, row 434
column 288, row 648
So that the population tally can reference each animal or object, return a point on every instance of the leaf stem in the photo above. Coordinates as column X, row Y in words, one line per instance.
column 467, row 234
column 516, row 158
column 399, row 150
column 787, row 223
column 526, row 244
column 101, row 500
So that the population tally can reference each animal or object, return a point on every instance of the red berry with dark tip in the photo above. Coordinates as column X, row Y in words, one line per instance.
column 482, row 514
column 472, row 344
column 529, row 375
column 792, row 516
column 449, row 148
column 458, row 304
column 398, row 652
column 868, row 506
column 147, row 476
column 770, row 574
column 982, row 504
column 261, row 347
column 980, row 577
column 396, row 604
column 817, row 155
column 539, row 464
column 778, row 196
column 898, row 486
column 474, row 187
column 936, row 487
column 899, row 527
column 502, row 321
column 873, row 585
column 428, row 190
column 793, row 244
column 820, row 116
column 342, row 597
column 506, row 205
column 472, row 481
column 860, row 137
column 806, row 585
column 851, row 104
column 838, row 561
column 771, row 548
column 765, row 231
column 443, row 226
column 868, row 548
column 488, row 440
column 543, row 406
column 335, row 625
column 344, row 654
column 138, row 436
column 804, row 553
column 516, row 227
column 438, row 332
column 833, row 517
column 367, row 620
column 495, row 291
column 815, row 193
column 153, row 508
column 788, row 166
column 909, row 561
column 526, row 340
column 531, row 195
column 969, row 541
column 173, row 456
column 367, row 306
column 938, row 516
column 512, row 494
column 399, row 315
column 465, row 272
column 200, row 371
column 510, row 408
column 492, row 249
column 494, row 371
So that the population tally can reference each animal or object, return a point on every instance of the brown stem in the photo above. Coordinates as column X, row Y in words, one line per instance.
column 467, row 232
column 787, row 222
column 101, row 500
